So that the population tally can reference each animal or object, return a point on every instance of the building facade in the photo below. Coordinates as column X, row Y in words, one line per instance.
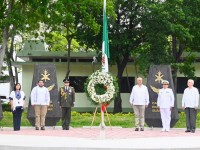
column 82, row 66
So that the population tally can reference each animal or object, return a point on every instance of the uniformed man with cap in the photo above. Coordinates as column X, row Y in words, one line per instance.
column 165, row 102
column 66, row 101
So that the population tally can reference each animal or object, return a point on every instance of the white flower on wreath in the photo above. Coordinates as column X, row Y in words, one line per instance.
column 101, row 78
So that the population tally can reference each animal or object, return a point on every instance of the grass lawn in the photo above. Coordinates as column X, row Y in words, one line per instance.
column 85, row 119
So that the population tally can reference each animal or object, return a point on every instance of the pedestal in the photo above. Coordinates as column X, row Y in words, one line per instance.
column 47, row 73
column 157, row 73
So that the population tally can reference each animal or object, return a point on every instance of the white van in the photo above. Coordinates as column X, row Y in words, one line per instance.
column 4, row 99
column 4, row 92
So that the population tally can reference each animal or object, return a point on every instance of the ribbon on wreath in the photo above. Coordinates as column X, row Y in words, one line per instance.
column 103, row 106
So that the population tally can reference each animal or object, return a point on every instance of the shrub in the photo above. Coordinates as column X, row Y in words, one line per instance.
column 6, row 107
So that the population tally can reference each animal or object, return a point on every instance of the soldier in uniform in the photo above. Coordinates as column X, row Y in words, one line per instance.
column 66, row 101
column 165, row 102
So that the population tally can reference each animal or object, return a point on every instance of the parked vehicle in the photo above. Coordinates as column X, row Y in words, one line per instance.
column 4, row 93
column 4, row 99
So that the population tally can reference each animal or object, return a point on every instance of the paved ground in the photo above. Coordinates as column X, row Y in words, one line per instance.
column 95, row 138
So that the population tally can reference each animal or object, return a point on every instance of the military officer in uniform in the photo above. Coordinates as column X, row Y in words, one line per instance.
column 66, row 101
column 165, row 102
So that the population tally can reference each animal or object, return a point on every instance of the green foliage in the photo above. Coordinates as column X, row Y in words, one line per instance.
column 100, row 89
column 7, row 121
column 125, row 120
column 153, row 32
column 170, row 30
column 68, row 16
column 4, row 78
column 186, row 67
column 58, row 42
column 6, row 107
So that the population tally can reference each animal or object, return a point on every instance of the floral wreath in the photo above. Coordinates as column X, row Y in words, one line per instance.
column 101, row 87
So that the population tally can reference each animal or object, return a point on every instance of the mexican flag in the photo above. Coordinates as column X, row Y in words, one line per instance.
column 105, row 56
column 105, row 43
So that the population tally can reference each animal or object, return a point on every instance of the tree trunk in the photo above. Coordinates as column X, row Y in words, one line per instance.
column 10, row 59
column 3, row 46
column 118, row 100
column 69, row 40
column 68, row 58
column 177, row 49
column 120, row 67
column 12, row 78
column 174, row 76
column 16, row 75
column 5, row 34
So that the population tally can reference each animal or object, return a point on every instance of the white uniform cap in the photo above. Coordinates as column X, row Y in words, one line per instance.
column 165, row 82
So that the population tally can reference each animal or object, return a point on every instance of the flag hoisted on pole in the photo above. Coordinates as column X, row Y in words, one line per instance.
column 105, row 56
column 105, row 43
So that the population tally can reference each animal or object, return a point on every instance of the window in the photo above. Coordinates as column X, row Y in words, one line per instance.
column 78, row 83
column 127, row 84
column 182, row 84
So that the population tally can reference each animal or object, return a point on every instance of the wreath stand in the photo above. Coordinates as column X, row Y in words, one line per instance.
column 102, row 118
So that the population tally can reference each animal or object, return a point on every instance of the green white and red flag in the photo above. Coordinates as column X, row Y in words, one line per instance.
column 105, row 43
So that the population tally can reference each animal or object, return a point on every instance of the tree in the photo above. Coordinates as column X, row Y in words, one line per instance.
column 18, row 17
column 154, row 32
column 172, row 28
column 57, row 42
column 126, row 34
column 65, row 17
column 5, row 13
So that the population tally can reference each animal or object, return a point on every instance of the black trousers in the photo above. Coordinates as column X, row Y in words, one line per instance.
column 17, row 115
column 191, row 114
column 66, row 117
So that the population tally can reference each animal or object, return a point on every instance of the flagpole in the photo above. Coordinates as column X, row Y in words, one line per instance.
column 105, row 52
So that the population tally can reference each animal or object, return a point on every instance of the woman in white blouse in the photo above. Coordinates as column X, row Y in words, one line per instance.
column 17, row 102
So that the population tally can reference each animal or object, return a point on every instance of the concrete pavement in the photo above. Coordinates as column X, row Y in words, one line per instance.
column 95, row 138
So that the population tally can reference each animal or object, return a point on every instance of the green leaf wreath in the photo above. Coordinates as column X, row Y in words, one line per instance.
column 101, row 87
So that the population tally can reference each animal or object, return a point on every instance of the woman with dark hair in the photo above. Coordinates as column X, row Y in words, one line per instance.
column 17, row 102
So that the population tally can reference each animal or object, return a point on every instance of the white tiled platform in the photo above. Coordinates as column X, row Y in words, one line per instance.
column 95, row 138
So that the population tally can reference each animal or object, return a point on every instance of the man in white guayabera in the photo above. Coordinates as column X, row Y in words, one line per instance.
column 139, row 99
column 40, row 100
column 190, row 103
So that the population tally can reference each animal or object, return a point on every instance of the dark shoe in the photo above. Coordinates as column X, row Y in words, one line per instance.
column 36, row 128
column 193, row 131
column 136, row 129
column 141, row 129
column 67, row 128
column 64, row 127
column 42, row 128
column 187, row 130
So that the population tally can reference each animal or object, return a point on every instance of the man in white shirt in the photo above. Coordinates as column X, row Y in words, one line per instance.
column 139, row 99
column 40, row 100
column 165, row 102
column 190, row 103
